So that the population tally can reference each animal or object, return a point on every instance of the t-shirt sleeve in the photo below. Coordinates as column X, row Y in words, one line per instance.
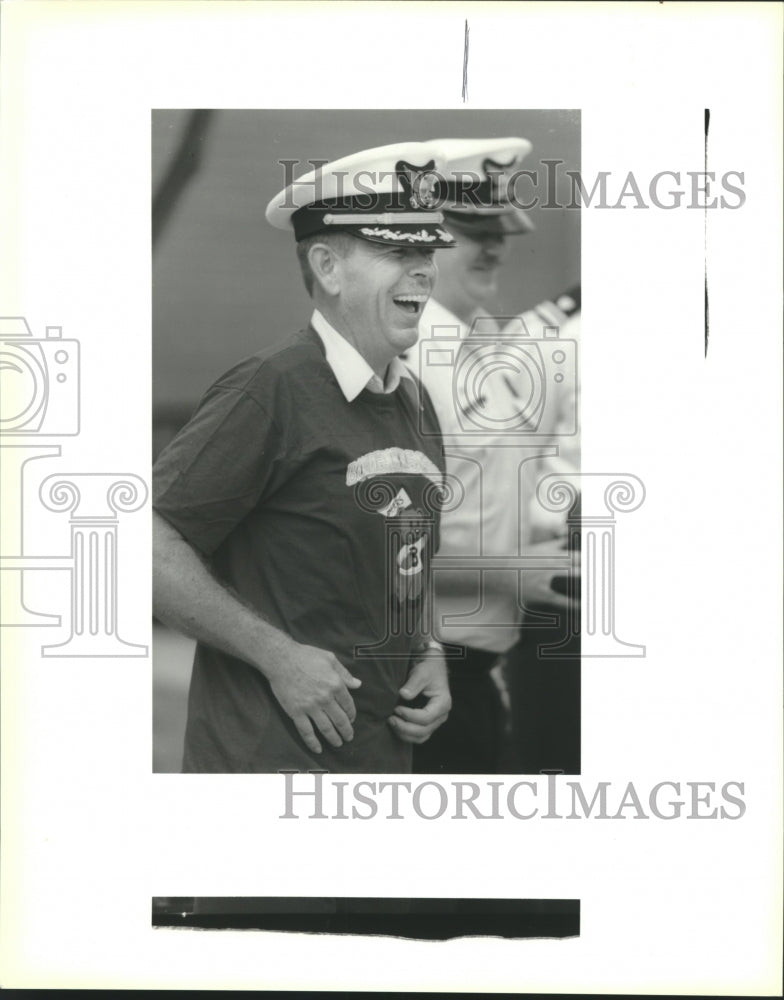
column 219, row 467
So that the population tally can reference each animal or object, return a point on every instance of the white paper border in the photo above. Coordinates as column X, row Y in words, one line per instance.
column 90, row 835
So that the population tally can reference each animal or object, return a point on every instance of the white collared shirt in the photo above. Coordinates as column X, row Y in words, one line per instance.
column 478, row 611
column 351, row 370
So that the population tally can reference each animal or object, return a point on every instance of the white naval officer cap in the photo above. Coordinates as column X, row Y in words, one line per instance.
column 388, row 194
column 479, row 185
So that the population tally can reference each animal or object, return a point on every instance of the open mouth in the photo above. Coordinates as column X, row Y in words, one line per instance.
column 412, row 305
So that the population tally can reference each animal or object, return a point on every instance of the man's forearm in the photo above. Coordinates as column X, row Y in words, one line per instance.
column 310, row 684
column 187, row 597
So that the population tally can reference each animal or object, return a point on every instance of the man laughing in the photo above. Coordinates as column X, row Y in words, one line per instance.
column 297, row 512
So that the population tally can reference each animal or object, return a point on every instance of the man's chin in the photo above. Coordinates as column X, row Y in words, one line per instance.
column 405, row 336
column 405, row 322
column 484, row 278
column 482, row 288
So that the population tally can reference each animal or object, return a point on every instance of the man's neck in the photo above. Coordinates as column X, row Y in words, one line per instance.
column 341, row 326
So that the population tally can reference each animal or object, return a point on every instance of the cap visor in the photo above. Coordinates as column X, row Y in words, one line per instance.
column 511, row 222
column 429, row 237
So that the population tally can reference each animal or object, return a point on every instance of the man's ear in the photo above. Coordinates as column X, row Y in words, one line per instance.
column 325, row 265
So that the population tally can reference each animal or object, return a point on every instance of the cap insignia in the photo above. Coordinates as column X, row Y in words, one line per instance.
column 420, row 184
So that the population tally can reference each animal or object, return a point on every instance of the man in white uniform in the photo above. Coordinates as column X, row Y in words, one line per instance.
column 480, row 391
column 543, row 692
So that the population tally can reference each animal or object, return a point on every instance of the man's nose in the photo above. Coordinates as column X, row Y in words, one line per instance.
column 423, row 264
column 494, row 241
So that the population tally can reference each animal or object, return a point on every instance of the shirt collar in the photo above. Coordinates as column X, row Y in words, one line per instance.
column 352, row 372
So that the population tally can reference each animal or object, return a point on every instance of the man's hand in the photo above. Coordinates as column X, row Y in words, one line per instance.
column 312, row 687
column 536, row 587
column 429, row 678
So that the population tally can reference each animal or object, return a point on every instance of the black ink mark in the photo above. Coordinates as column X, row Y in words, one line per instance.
column 707, row 125
column 425, row 918
column 183, row 167
column 465, row 63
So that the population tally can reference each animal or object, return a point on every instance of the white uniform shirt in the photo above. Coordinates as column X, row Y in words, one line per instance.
column 560, row 425
column 492, row 473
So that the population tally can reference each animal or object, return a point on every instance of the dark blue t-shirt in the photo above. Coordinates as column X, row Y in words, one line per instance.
column 322, row 514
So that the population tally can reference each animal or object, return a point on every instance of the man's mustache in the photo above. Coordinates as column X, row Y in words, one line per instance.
column 489, row 259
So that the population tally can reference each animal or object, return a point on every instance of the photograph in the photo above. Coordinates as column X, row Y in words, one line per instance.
column 407, row 547
column 390, row 469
